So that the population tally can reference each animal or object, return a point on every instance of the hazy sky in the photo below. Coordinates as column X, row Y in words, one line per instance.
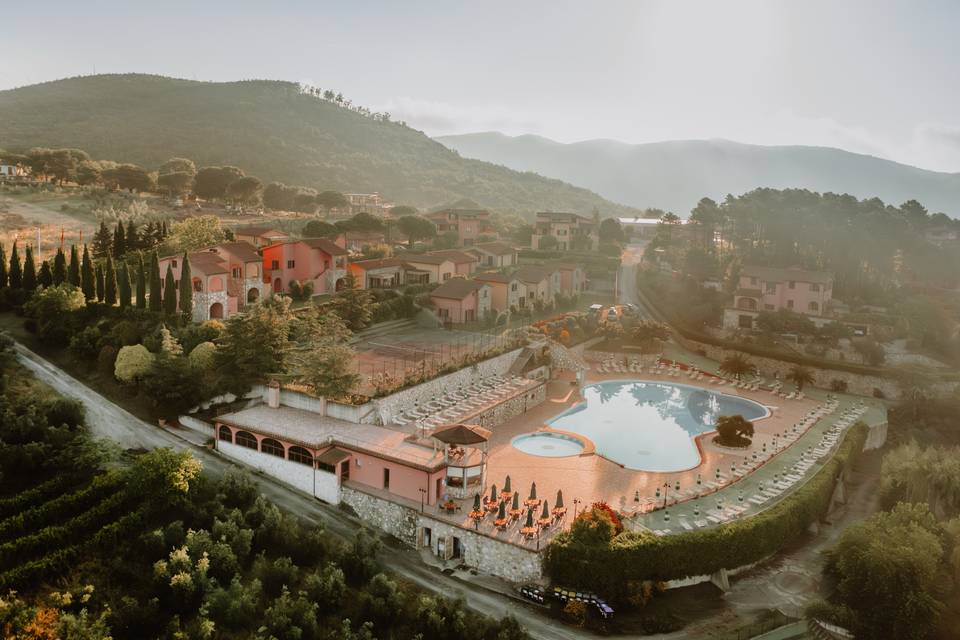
column 865, row 75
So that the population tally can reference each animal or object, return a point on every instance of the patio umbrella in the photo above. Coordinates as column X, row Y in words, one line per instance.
column 529, row 519
column 546, row 510
column 494, row 496
column 559, row 501
column 502, row 512
column 533, row 491
column 476, row 502
column 506, row 485
column 516, row 502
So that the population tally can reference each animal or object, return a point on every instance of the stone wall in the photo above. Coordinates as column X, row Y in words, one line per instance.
column 481, row 552
column 396, row 403
column 511, row 408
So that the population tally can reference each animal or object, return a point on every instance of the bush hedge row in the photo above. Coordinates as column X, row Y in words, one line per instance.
column 610, row 568
column 41, row 492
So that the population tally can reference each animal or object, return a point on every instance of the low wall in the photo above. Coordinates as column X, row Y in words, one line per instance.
column 298, row 400
column 511, row 408
column 486, row 554
column 311, row 481
column 420, row 394
column 195, row 424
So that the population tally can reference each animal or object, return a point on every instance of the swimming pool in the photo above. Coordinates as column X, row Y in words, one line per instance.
column 649, row 426
column 548, row 445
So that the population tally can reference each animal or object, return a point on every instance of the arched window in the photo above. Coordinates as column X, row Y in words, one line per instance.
column 273, row 447
column 225, row 434
column 301, row 455
column 748, row 303
column 814, row 306
column 247, row 440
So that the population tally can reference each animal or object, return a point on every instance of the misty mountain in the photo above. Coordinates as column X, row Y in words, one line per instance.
column 271, row 130
column 675, row 175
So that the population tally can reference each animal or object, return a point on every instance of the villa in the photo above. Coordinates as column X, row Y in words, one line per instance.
column 570, row 231
column 460, row 300
column 225, row 278
column 465, row 263
column 774, row 289
column 506, row 291
column 317, row 261
column 259, row 236
column 470, row 225
column 379, row 273
column 495, row 254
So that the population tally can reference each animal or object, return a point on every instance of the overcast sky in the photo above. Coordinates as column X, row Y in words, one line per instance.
column 865, row 75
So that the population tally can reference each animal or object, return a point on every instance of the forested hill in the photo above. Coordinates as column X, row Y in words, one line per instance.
column 674, row 175
column 273, row 131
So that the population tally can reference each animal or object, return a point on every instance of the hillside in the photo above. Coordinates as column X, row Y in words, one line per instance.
column 675, row 175
column 272, row 131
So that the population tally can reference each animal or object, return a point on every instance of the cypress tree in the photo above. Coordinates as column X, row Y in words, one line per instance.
column 169, row 293
column 46, row 274
column 186, row 289
column 100, row 283
column 132, row 238
column 141, row 285
column 3, row 267
column 16, row 271
column 87, row 277
column 119, row 241
column 156, row 299
column 59, row 267
column 102, row 241
column 110, row 283
column 73, row 271
column 123, row 284
column 29, row 271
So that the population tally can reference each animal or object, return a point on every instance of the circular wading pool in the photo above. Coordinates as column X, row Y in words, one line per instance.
column 548, row 445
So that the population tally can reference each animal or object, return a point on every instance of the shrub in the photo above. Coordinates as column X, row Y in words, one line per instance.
column 575, row 613
column 133, row 363
column 85, row 345
column 106, row 359
column 65, row 411
column 202, row 356
column 838, row 385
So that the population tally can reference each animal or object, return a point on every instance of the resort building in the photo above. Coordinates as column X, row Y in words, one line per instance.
column 495, row 254
column 465, row 263
column 358, row 241
column 225, row 278
column 507, row 293
column 572, row 281
column 470, row 225
column 459, row 300
column 773, row 289
column 571, row 232
column 260, row 236
column 427, row 268
column 317, row 261
column 379, row 273
column 540, row 283
column 366, row 203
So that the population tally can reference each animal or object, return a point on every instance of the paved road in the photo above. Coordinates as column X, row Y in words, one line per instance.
column 111, row 422
column 627, row 280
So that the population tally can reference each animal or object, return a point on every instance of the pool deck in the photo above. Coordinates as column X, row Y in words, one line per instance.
column 590, row 478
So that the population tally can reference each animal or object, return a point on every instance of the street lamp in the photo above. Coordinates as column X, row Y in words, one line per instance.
column 666, row 489
column 576, row 502
column 423, row 497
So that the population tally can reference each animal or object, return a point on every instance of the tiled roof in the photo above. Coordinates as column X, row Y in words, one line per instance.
column 377, row 263
column 456, row 289
column 325, row 245
column 423, row 258
column 532, row 273
column 242, row 250
column 776, row 274
column 492, row 276
column 207, row 262
column 457, row 257
column 496, row 248
column 261, row 231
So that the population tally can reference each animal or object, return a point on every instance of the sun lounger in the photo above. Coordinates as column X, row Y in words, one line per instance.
column 686, row 525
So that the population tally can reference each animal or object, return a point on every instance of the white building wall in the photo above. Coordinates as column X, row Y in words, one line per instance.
column 297, row 475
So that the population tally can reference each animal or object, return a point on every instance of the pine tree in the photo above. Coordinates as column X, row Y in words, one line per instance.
column 29, row 271
column 59, row 267
column 4, row 276
column 169, row 293
column 132, row 237
column 73, row 271
column 186, row 289
column 16, row 271
column 156, row 299
column 87, row 277
column 141, row 285
column 100, row 283
column 124, row 290
column 119, row 241
column 148, row 237
column 46, row 274
column 102, row 241
column 110, row 284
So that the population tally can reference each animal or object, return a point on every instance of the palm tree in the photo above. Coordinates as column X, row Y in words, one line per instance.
column 734, row 431
column 800, row 376
column 736, row 365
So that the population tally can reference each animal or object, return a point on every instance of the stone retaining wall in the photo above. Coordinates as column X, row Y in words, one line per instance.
column 511, row 408
column 486, row 554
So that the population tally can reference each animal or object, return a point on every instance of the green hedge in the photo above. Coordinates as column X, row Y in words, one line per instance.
column 635, row 556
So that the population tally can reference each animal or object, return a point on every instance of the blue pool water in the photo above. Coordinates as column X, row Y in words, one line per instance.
column 548, row 445
column 649, row 426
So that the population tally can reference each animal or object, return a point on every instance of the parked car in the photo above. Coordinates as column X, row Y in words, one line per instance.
column 612, row 315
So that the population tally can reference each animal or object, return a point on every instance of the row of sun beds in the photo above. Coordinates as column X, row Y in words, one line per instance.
column 455, row 404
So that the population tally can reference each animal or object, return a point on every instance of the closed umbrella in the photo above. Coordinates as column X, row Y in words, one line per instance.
column 559, row 502
column 546, row 510
column 516, row 502
column 476, row 502
column 506, row 485
column 533, row 491
column 494, row 496
column 529, row 524
column 502, row 512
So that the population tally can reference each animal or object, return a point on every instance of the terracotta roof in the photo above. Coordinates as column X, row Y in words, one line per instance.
column 462, row 434
column 377, row 263
column 493, row 276
column 456, row 289
column 532, row 273
column 777, row 274
column 261, row 231
column 457, row 257
column 325, row 245
column 206, row 262
column 496, row 248
column 333, row 456
column 423, row 258
column 242, row 250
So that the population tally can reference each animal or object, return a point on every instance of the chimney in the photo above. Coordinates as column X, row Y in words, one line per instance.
column 273, row 394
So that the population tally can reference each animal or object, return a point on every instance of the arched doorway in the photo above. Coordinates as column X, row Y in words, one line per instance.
column 253, row 295
column 341, row 283
column 216, row 311
column 278, row 286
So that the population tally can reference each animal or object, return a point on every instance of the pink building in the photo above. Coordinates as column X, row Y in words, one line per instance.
column 468, row 224
column 260, row 236
column 315, row 260
column 459, row 300
column 225, row 278
column 495, row 254
column 506, row 291
column 464, row 263
column 772, row 289
column 573, row 281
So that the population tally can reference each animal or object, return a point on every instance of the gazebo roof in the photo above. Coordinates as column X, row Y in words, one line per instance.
column 462, row 434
